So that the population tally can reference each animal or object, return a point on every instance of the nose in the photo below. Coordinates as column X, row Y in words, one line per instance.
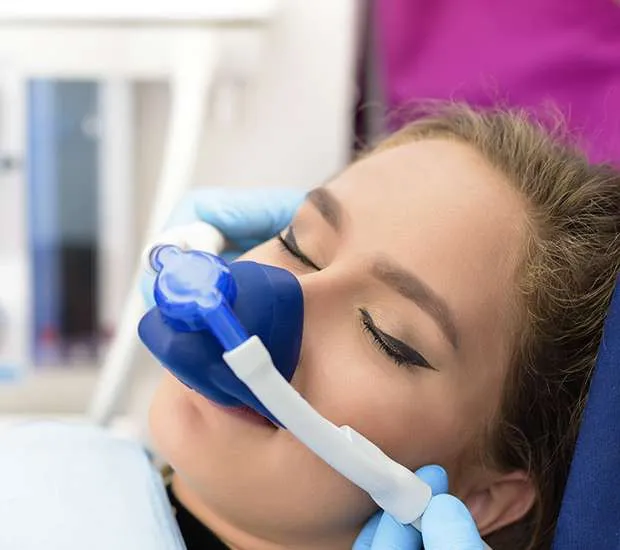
column 326, row 331
column 270, row 303
column 324, row 292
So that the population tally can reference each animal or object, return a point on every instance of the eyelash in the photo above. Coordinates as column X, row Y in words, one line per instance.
column 295, row 252
column 388, row 345
column 385, row 343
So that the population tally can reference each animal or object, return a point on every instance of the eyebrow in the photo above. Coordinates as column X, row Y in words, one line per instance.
column 412, row 288
column 327, row 205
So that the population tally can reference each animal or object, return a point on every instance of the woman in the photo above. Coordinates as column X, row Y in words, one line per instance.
column 456, row 281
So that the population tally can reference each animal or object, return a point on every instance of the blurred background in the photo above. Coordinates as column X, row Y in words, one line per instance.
column 86, row 95
column 93, row 100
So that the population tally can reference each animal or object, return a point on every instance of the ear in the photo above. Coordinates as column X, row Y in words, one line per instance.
column 505, row 499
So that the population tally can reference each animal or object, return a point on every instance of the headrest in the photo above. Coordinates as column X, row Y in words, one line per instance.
column 590, row 513
column 71, row 487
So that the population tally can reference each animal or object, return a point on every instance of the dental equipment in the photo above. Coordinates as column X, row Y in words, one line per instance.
column 201, row 297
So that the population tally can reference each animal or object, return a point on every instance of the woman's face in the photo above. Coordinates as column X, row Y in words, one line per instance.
column 407, row 267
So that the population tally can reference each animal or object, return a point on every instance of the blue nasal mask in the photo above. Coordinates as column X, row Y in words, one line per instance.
column 214, row 307
column 233, row 334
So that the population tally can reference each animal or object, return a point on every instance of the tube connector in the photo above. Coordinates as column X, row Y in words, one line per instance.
column 195, row 236
column 195, row 291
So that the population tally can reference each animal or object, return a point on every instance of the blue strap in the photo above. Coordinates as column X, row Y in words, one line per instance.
column 590, row 513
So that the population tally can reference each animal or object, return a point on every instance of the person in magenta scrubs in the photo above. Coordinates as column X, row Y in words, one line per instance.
column 534, row 54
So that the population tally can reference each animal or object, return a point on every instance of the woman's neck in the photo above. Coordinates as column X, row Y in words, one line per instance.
column 237, row 538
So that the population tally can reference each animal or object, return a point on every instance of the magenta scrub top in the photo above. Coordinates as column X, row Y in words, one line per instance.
column 525, row 53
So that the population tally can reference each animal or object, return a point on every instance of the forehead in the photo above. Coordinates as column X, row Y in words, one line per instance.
column 439, row 172
column 439, row 209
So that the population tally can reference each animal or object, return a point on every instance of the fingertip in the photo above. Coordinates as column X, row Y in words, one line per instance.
column 449, row 504
column 367, row 534
column 184, row 212
column 257, row 213
column 293, row 197
column 435, row 476
column 448, row 521
column 391, row 534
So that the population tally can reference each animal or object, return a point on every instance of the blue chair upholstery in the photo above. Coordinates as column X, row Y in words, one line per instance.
column 590, row 513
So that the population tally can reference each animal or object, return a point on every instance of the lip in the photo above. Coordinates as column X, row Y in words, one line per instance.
column 242, row 413
column 247, row 414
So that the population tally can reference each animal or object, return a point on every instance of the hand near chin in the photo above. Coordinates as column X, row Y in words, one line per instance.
column 446, row 524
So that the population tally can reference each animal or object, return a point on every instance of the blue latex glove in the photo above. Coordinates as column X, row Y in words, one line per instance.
column 446, row 524
column 246, row 217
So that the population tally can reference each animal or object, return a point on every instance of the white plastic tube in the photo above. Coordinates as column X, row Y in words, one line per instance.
column 392, row 486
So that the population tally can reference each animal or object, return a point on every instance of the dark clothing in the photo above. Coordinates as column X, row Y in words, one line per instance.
column 196, row 535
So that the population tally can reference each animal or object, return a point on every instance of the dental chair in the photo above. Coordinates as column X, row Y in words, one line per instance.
column 73, row 487
column 590, row 513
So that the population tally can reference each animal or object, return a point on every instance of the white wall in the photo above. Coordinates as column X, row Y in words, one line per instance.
column 293, row 125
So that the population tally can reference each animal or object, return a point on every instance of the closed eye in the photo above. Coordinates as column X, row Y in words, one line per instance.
column 289, row 244
column 399, row 352
column 395, row 349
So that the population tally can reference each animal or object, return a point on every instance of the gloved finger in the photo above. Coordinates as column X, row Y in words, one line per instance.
column 184, row 212
column 447, row 523
column 248, row 213
column 435, row 476
column 367, row 534
column 393, row 535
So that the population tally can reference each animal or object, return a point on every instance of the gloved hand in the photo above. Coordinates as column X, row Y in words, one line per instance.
column 246, row 217
column 446, row 523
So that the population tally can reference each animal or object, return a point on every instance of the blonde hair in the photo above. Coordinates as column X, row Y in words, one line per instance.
column 565, row 282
